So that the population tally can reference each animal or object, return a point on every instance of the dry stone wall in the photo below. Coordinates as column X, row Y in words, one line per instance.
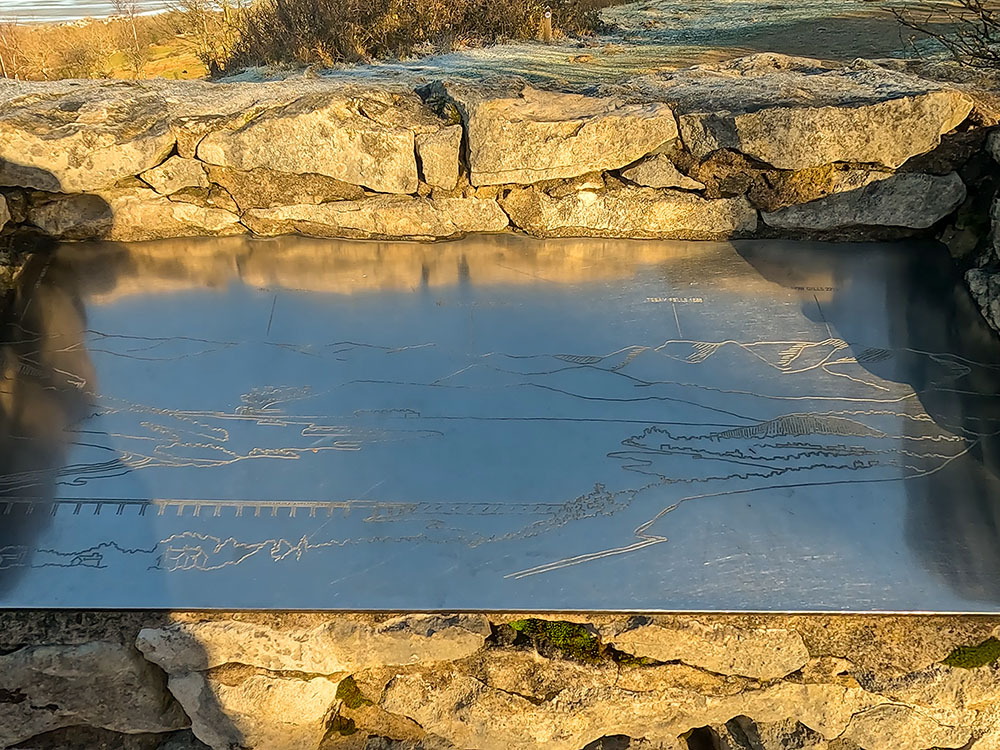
column 285, row 681
column 762, row 146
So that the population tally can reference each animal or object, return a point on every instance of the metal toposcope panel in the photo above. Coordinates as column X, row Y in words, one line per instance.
column 498, row 424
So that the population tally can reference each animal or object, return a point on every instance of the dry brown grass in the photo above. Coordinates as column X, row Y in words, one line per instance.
column 115, row 48
column 327, row 32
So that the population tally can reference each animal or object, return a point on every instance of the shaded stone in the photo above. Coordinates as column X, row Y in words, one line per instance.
column 629, row 212
column 760, row 653
column 658, row 171
column 350, row 138
column 438, row 155
column 343, row 645
column 903, row 728
column 82, row 138
column 386, row 217
column 256, row 711
column 4, row 212
column 92, row 738
column 99, row 684
column 176, row 173
column 985, row 288
column 264, row 188
column 913, row 201
column 524, row 136
column 129, row 215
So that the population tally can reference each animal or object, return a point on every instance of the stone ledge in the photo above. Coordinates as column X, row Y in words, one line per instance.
column 692, row 154
column 481, row 681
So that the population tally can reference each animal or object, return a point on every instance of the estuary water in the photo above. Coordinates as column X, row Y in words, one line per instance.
column 498, row 423
column 29, row 11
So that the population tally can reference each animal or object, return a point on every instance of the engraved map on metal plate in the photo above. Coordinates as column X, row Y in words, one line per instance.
column 498, row 423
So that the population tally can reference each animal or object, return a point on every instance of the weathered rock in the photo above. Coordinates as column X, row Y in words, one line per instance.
column 83, row 139
column 903, row 728
column 629, row 212
column 794, row 113
column 909, row 200
column 386, row 217
column 210, row 197
column 4, row 212
column 985, row 287
column 264, row 188
column 176, row 173
column 658, row 171
column 256, row 711
column 742, row 733
column 363, row 139
column 730, row 173
column 438, row 154
column 526, row 136
column 98, row 684
column 128, row 215
column 760, row 653
column 993, row 145
column 468, row 711
column 339, row 646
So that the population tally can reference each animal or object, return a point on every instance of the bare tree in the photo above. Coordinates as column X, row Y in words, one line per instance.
column 135, row 52
column 968, row 29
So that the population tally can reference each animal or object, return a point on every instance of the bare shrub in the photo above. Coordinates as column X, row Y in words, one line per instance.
column 968, row 29
column 326, row 32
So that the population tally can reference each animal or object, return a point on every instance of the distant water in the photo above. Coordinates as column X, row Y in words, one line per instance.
column 66, row 10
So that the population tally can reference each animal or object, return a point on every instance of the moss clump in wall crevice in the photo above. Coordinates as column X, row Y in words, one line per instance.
column 350, row 694
column 563, row 639
column 971, row 657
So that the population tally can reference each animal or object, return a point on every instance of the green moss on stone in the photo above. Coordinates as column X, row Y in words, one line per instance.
column 572, row 639
column 343, row 726
column 350, row 695
column 970, row 657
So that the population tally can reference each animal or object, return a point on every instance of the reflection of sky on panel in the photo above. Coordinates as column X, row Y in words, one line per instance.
column 505, row 422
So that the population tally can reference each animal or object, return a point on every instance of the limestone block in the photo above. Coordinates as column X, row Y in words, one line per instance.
column 629, row 212
column 331, row 134
column 257, row 711
column 438, row 153
column 264, row 188
column 99, row 684
column 85, row 139
column 388, row 217
column 176, row 173
column 985, row 288
column 657, row 171
column 525, row 135
column 130, row 214
column 4, row 212
column 903, row 728
column 909, row 200
column 340, row 645
column 764, row 653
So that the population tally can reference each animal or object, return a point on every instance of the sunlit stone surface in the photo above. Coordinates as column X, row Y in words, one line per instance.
column 498, row 423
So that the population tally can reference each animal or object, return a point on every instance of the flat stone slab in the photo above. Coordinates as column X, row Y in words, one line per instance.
column 499, row 424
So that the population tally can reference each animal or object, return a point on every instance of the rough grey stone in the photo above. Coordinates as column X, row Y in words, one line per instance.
column 523, row 136
column 658, row 171
column 130, row 214
column 385, row 217
column 343, row 645
column 761, row 653
column 629, row 212
column 99, row 684
column 438, row 153
column 176, row 173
